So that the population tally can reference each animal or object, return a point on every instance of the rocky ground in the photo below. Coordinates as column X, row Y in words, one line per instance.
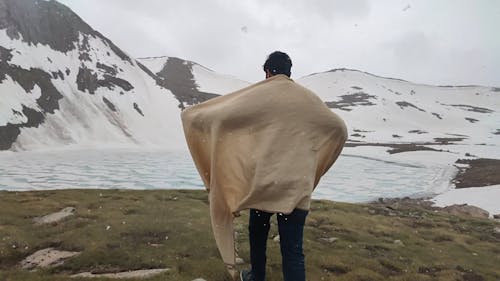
column 480, row 172
column 166, row 235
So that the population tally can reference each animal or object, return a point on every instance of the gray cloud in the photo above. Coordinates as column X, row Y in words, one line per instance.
column 436, row 42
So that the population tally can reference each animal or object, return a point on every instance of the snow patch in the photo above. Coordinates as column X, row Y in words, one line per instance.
column 12, row 101
column 487, row 198
column 212, row 82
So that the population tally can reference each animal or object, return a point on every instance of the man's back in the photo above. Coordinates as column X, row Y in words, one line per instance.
column 263, row 147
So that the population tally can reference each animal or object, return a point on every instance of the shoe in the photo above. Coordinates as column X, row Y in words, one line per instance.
column 246, row 275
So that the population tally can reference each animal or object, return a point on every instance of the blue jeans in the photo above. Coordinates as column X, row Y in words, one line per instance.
column 291, row 231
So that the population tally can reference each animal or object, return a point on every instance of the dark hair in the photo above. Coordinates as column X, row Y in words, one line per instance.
column 278, row 63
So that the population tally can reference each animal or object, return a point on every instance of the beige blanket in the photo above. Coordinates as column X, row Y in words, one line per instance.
column 263, row 147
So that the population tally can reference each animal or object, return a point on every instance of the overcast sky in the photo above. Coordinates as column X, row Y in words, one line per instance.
column 438, row 42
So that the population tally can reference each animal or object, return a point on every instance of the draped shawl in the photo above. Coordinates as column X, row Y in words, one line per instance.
column 263, row 147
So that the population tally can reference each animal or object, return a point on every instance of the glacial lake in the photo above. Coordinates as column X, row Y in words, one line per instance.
column 351, row 179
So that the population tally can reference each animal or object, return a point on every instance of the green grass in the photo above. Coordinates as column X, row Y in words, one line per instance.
column 434, row 246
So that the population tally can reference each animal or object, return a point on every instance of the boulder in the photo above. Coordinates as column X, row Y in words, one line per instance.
column 55, row 217
column 49, row 257
column 467, row 210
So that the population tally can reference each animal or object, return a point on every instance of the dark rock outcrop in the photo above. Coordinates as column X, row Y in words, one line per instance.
column 177, row 76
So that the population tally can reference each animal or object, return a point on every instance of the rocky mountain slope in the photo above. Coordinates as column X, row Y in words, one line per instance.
column 190, row 82
column 63, row 83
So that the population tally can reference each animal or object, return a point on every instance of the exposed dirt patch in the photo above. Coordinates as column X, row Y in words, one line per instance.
column 480, row 172
column 403, row 104
column 110, row 82
column 58, row 75
column 472, row 120
column 355, row 99
column 86, row 80
column 467, row 107
column 106, row 68
column 110, row 105
column 417, row 132
column 138, row 109
column 437, row 115
column 84, row 56
column 358, row 135
column 397, row 147
column 448, row 140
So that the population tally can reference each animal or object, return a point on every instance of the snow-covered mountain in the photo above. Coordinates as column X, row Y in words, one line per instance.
column 385, row 110
column 63, row 83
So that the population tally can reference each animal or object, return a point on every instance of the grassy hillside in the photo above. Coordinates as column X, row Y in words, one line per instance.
column 118, row 230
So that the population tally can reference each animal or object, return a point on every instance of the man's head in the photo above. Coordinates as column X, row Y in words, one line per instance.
column 277, row 63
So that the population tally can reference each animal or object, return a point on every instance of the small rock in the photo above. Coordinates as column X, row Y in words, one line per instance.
column 240, row 261
column 139, row 274
column 497, row 229
column 108, row 227
column 276, row 238
column 55, row 217
column 371, row 211
column 497, row 216
column 328, row 239
column 46, row 258
column 399, row 242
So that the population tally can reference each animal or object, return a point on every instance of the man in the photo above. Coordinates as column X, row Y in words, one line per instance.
column 290, row 226
column 263, row 148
